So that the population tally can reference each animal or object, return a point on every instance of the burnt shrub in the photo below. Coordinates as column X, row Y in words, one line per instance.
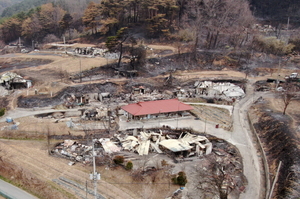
column 211, row 101
column 119, row 159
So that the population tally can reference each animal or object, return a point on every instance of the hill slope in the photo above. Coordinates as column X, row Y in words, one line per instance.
column 277, row 10
column 24, row 6
column 7, row 3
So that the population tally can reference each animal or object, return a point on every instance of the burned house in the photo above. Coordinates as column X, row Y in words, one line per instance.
column 11, row 80
column 154, row 109
column 224, row 90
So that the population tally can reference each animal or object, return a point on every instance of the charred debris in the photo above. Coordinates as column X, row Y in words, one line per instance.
column 180, row 145
column 130, row 92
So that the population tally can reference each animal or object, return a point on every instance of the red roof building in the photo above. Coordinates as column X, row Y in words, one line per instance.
column 156, row 107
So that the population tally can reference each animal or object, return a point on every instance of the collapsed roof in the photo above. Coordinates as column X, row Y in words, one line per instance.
column 11, row 77
column 145, row 142
column 226, row 88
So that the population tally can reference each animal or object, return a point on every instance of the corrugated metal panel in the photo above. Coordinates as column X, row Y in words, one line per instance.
column 156, row 107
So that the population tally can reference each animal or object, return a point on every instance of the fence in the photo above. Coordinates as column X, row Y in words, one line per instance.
column 264, row 157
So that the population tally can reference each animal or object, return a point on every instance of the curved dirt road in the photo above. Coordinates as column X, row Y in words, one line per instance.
column 240, row 137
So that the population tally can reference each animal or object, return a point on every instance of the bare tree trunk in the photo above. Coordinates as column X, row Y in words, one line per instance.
column 121, row 52
column 195, row 47
column 210, row 40
column 216, row 39
column 207, row 39
column 284, row 109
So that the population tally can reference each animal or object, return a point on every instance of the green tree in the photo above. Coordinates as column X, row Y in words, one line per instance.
column 23, row 6
column 181, row 178
column 113, row 13
column 114, row 42
column 2, row 111
column 66, row 23
column 129, row 165
column 158, row 26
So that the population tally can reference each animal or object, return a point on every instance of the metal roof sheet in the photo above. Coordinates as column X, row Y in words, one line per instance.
column 175, row 145
column 156, row 107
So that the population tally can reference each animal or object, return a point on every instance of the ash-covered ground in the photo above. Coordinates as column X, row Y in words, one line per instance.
column 58, row 99
column 280, row 144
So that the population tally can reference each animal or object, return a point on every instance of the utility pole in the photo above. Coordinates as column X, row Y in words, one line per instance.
column 94, row 176
column 65, row 45
column 86, row 190
column 80, row 70
column 205, row 126
column 277, row 80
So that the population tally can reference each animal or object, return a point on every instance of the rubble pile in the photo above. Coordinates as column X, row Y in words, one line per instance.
column 74, row 151
column 84, row 92
column 96, row 52
column 11, row 80
column 224, row 90
column 268, row 29
column 147, row 95
column 3, row 91
column 143, row 144
column 147, row 142
column 201, row 89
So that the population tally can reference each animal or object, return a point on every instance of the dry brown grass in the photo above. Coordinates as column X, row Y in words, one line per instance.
column 31, row 162
column 26, row 177
column 292, row 110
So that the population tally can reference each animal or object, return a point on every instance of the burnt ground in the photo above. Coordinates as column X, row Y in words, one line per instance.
column 18, row 63
column 117, row 91
column 162, row 66
column 213, row 60
column 253, row 65
column 280, row 144
column 224, row 156
column 58, row 99
column 4, row 102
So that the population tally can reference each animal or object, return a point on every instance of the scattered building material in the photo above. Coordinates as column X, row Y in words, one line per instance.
column 219, row 89
column 11, row 80
column 175, row 145
column 109, row 146
column 143, row 143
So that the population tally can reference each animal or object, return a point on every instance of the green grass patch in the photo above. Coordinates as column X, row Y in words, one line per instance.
column 2, row 111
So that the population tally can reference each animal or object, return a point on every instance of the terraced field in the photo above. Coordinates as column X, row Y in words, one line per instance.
column 214, row 115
